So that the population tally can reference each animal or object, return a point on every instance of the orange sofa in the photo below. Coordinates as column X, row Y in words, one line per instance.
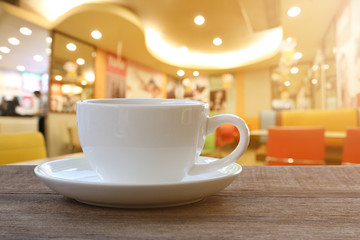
column 331, row 120
column 338, row 120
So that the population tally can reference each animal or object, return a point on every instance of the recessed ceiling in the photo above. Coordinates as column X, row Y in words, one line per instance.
column 158, row 33
column 29, row 46
column 237, row 22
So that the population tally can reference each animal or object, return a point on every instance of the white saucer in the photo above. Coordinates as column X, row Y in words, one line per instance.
column 74, row 178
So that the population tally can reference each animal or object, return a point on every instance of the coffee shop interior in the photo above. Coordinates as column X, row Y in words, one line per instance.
column 289, row 68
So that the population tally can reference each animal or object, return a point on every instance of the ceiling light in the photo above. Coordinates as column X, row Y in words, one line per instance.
column 25, row 31
column 66, row 88
column 298, row 55
column 48, row 51
column 315, row 67
column 80, row 61
column 294, row 70
column 96, row 34
column 325, row 66
column 217, row 41
column 20, row 68
column 71, row 47
column 196, row 73
column 48, row 40
column 184, row 49
column 14, row 41
column 58, row 77
column 287, row 83
column 199, row 20
column 83, row 82
column 289, row 39
column 266, row 47
column 294, row 11
column 183, row 54
column 180, row 73
column 5, row 49
column 38, row 58
column 90, row 77
column 186, row 82
column 314, row 81
column 76, row 90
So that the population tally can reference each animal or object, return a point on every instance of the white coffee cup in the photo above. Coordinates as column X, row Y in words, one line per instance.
column 150, row 141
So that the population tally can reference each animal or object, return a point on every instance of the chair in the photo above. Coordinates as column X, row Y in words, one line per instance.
column 351, row 150
column 74, row 139
column 19, row 147
column 226, row 134
column 209, row 145
column 295, row 146
column 267, row 119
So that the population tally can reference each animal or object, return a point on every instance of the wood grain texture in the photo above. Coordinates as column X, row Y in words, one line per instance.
column 310, row 202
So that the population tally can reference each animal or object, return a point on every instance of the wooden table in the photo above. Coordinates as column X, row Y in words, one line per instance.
column 296, row 202
column 39, row 161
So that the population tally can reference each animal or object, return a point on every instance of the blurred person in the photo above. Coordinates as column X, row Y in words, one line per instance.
column 40, row 110
column 8, row 107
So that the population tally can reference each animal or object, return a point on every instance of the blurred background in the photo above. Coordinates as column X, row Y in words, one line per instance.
column 257, row 59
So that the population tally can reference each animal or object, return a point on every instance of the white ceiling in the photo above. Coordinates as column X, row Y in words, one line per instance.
column 23, row 54
column 237, row 22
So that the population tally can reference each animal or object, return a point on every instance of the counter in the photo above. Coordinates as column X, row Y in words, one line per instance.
column 18, row 124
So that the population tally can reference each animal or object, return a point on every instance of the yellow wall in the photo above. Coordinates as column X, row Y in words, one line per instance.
column 163, row 86
column 257, row 92
column 239, row 76
column 57, row 133
column 100, row 74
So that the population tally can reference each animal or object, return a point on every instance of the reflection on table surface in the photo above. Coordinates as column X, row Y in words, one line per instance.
column 39, row 161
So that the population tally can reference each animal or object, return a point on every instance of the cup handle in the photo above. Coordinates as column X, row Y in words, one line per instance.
column 212, row 124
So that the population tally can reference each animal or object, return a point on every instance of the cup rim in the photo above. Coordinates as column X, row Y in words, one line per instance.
column 141, row 102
